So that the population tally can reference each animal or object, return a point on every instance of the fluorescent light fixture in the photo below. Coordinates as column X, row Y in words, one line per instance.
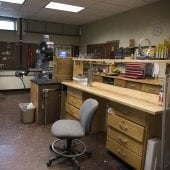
column 14, row 1
column 64, row 7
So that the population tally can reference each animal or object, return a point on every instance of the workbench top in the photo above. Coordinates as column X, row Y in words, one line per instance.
column 143, row 101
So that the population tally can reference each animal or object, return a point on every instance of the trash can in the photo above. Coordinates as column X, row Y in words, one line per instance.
column 27, row 112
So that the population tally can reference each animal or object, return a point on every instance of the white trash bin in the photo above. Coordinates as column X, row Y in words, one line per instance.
column 27, row 112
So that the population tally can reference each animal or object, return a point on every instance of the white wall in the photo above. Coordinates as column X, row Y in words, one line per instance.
column 134, row 24
column 8, row 81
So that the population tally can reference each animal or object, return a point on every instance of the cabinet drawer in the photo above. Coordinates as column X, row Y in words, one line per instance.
column 125, row 154
column 119, row 82
column 74, row 92
column 127, row 127
column 97, row 78
column 71, row 117
column 133, row 85
column 126, row 141
column 150, row 88
column 129, row 113
column 72, row 110
column 74, row 101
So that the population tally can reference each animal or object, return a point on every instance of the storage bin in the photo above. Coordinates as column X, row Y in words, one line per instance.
column 26, row 113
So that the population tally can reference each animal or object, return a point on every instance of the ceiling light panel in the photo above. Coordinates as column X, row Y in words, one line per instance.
column 64, row 7
column 14, row 1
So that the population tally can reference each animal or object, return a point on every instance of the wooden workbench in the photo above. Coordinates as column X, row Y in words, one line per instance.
column 140, row 100
column 131, row 117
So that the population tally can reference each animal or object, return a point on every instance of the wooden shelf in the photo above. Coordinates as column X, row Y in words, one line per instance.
column 113, row 61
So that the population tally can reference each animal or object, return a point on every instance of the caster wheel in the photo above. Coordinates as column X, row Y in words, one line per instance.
column 50, row 147
column 49, row 163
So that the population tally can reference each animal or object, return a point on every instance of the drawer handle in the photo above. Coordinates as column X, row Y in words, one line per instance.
column 121, row 153
column 110, row 110
column 121, row 139
column 125, row 111
column 132, row 85
column 152, row 89
column 73, row 102
column 118, row 151
column 123, row 126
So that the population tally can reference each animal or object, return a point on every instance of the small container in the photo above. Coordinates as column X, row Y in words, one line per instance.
column 89, row 77
column 27, row 114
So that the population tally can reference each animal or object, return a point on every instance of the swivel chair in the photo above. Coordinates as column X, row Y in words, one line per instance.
column 68, row 133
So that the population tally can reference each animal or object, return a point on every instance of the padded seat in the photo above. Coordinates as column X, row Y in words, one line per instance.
column 68, row 133
column 67, row 128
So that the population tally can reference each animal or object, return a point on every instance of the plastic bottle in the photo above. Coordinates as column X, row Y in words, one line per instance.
column 161, row 97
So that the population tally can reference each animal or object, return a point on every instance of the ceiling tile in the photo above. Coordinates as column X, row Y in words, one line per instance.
column 95, row 10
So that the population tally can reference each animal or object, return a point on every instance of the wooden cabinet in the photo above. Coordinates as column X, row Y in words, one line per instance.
column 98, row 78
column 127, row 127
column 103, row 73
column 131, row 118
column 133, row 85
column 74, row 101
column 97, row 50
column 12, row 59
column 127, row 133
column 150, row 88
column 53, row 102
column 103, row 50
column 125, row 154
column 141, row 85
column 119, row 82
column 62, row 69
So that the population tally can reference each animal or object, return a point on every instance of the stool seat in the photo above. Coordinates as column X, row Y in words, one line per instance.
column 63, row 129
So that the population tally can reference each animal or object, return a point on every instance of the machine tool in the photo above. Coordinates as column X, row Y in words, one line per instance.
column 44, row 56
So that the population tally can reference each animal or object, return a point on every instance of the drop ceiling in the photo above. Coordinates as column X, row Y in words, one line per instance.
column 94, row 10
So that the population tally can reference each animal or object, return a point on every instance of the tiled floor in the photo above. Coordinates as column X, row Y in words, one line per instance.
column 26, row 146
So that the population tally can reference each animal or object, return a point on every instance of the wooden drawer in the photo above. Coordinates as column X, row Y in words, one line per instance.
column 126, row 141
column 125, row 154
column 74, row 101
column 133, row 85
column 71, row 117
column 129, row 113
column 127, row 127
column 72, row 110
column 119, row 82
column 97, row 78
column 150, row 88
column 74, row 92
